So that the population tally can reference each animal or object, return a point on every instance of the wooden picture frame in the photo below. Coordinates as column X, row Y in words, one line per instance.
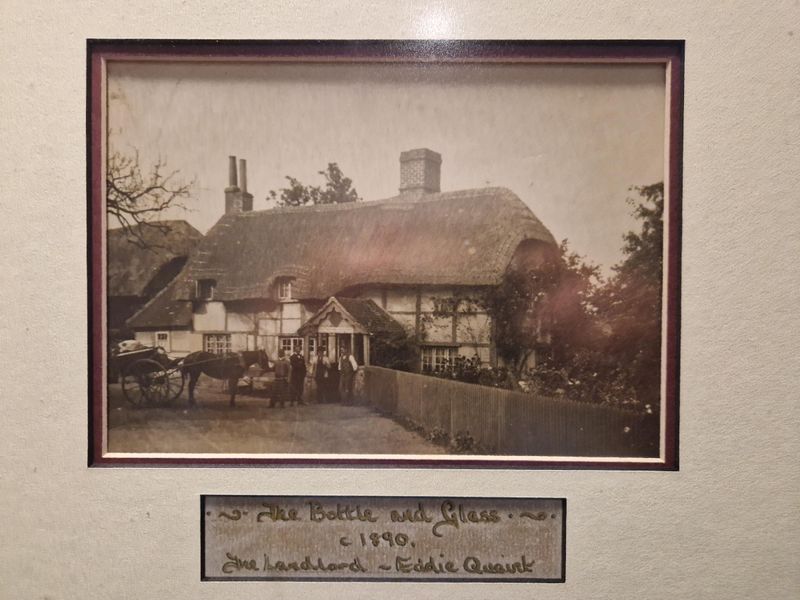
column 667, row 55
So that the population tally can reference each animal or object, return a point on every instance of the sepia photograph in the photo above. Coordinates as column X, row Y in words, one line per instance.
column 432, row 254
column 450, row 299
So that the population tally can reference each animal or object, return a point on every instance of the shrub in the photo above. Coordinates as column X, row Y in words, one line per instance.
column 464, row 443
column 395, row 351
column 438, row 436
column 472, row 370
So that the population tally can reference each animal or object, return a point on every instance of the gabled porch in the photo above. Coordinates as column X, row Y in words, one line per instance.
column 347, row 323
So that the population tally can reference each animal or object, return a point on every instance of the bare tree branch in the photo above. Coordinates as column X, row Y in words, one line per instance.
column 136, row 199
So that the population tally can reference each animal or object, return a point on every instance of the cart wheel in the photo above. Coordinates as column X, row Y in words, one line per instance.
column 142, row 382
column 173, row 381
column 165, row 385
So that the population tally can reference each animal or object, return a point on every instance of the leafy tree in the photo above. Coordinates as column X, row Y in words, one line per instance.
column 136, row 197
column 596, row 340
column 545, row 308
column 337, row 189
column 630, row 302
column 394, row 351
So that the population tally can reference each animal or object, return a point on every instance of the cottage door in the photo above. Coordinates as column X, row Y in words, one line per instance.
column 343, row 341
column 358, row 350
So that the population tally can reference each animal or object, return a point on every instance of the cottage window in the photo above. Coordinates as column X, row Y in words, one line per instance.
column 436, row 358
column 162, row 339
column 205, row 288
column 217, row 343
column 290, row 344
column 285, row 289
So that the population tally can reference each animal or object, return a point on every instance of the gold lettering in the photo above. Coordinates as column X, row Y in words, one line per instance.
column 275, row 513
column 237, row 564
column 343, row 512
column 420, row 515
column 448, row 518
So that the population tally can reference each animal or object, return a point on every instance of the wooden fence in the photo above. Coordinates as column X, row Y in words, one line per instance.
column 512, row 423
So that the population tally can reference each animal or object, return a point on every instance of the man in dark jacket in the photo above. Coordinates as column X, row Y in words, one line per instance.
column 298, row 375
column 320, row 371
column 347, row 371
column 280, row 387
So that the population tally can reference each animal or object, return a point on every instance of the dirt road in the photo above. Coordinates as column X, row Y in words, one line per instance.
column 252, row 427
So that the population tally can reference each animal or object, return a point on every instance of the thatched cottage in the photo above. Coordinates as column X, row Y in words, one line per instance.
column 339, row 275
column 138, row 271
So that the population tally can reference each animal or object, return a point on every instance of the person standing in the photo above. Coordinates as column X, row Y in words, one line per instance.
column 347, row 372
column 280, row 387
column 333, row 380
column 320, row 371
column 297, row 376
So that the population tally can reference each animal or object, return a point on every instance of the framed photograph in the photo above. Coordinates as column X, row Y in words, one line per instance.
column 384, row 253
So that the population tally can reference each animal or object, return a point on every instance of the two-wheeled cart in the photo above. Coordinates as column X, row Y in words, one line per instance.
column 149, row 376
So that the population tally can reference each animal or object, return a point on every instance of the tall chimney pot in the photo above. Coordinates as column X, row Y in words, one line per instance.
column 243, row 175
column 232, row 180
column 247, row 197
column 234, row 199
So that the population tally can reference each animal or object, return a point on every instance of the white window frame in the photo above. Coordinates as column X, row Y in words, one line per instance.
column 217, row 343
column 289, row 343
column 199, row 289
column 166, row 344
column 284, row 290
column 436, row 357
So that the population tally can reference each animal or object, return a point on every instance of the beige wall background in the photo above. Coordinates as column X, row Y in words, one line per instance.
column 725, row 526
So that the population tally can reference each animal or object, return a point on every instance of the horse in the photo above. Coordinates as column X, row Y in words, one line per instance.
column 229, row 366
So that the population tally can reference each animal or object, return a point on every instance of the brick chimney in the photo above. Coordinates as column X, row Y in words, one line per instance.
column 420, row 172
column 237, row 199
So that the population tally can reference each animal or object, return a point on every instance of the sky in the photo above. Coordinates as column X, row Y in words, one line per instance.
column 569, row 140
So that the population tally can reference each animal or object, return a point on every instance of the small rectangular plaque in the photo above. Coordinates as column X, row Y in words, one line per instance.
column 390, row 538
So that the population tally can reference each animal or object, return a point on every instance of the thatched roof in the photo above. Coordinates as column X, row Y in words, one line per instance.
column 453, row 238
column 464, row 238
column 135, row 271
column 163, row 312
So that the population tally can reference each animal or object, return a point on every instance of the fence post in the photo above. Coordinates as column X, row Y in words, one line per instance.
column 502, row 410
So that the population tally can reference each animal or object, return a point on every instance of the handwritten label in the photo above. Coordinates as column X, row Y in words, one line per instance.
column 382, row 538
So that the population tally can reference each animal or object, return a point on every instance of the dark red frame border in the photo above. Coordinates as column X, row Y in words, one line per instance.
column 668, row 51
